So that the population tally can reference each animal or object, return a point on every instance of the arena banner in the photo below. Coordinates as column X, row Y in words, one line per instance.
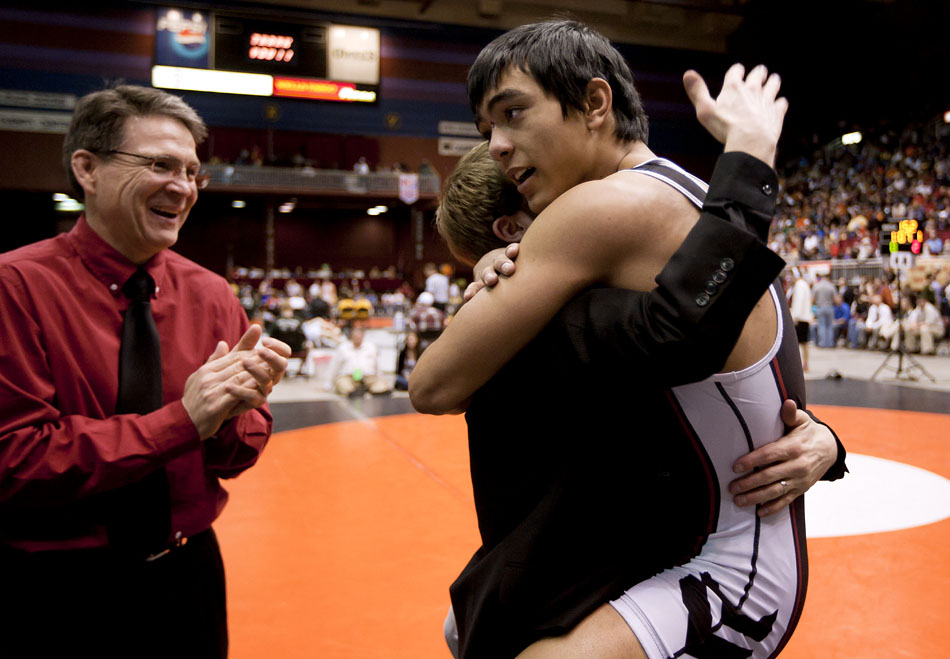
column 31, row 121
column 182, row 38
column 457, row 146
column 409, row 188
column 353, row 54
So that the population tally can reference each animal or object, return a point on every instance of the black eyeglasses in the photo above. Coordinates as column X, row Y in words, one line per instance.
column 169, row 167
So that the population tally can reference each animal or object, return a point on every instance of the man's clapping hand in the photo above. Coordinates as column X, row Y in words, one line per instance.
column 234, row 381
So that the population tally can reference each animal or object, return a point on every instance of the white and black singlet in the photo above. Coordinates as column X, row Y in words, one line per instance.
column 741, row 596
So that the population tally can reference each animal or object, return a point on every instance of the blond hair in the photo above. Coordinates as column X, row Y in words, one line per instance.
column 476, row 194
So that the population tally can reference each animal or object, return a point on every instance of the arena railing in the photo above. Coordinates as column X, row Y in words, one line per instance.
column 869, row 268
column 241, row 178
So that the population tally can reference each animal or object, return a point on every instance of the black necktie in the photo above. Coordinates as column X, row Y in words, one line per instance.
column 141, row 520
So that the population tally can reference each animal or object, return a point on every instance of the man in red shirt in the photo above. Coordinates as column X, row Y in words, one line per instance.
column 68, row 460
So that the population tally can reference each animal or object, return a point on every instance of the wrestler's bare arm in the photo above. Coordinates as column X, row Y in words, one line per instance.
column 588, row 235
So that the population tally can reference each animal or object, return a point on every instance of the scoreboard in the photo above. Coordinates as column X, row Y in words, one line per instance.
column 232, row 54
column 903, row 236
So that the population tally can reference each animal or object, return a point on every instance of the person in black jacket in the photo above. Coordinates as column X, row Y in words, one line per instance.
column 505, row 599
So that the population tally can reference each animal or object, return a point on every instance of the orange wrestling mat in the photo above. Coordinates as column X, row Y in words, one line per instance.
column 342, row 541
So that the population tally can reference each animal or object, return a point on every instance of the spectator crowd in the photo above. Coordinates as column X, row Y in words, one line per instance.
column 833, row 204
column 832, row 207
column 870, row 312
column 329, row 310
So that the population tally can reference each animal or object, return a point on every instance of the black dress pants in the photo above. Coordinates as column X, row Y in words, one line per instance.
column 94, row 603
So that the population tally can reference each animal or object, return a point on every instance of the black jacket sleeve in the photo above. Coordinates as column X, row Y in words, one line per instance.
column 839, row 468
column 684, row 330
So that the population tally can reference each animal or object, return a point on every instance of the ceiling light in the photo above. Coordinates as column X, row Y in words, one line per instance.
column 69, row 206
column 852, row 138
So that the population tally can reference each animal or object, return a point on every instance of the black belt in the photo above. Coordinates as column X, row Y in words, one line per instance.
column 178, row 542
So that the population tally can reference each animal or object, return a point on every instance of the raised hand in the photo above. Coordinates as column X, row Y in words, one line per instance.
column 748, row 113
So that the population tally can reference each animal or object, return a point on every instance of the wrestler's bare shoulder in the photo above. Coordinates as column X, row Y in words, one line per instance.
column 623, row 228
column 624, row 203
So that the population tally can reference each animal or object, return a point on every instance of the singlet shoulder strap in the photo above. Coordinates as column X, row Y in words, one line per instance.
column 690, row 186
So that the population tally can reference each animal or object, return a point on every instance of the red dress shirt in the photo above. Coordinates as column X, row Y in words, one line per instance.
column 61, row 443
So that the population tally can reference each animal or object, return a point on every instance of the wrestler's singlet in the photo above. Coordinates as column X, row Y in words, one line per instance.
column 742, row 595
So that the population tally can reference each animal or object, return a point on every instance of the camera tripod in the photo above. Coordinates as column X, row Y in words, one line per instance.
column 901, row 373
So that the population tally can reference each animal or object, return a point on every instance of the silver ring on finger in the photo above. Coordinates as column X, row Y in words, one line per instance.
column 784, row 485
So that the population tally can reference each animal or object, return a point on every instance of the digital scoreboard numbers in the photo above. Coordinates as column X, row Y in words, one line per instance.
column 903, row 236
column 271, row 47
column 254, row 46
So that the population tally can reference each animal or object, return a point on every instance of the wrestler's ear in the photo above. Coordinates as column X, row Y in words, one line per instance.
column 85, row 167
column 598, row 103
column 511, row 228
